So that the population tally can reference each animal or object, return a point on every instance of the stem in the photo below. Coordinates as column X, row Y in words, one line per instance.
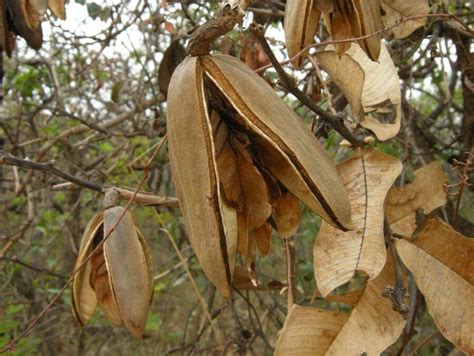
column 290, row 270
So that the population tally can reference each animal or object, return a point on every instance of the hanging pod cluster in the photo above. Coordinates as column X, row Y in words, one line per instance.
column 118, row 277
column 241, row 160
column 23, row 18
column 344, row 19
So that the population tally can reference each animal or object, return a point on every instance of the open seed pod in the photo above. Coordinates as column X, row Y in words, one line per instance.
column 23, row 18
column 301, row 22
column 235, row 149
column 344, row 19
column 118, row 277
column 26, row 20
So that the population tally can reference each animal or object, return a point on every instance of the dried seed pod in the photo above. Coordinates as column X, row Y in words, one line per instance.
column 344, row 19
column 7, row 38
column 57, row 7
column 22, row 18
column 301, row 22
column 118, row 277
column 211, row 164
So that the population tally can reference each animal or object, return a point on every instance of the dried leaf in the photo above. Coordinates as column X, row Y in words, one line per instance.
column 370, row 328
column 393, row 11
column 350, row 298
column 449, row 247
column 449, row 296
column 405, row 226
column 368, row 176
column 372, row 325
column 84, row 300
column 425, row 192
column 268, row 119
column 381, row 96
column 287, row 215
column 129, row 269
column 347, row 74
column 172, row 57
column 58, row 8
column 372, row 88
column 308, row 331
column 301, row 21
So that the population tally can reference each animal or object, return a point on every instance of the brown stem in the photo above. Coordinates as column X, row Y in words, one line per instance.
column 336, row 122
column 218, row 25
column 396, row 293
column 290, row 270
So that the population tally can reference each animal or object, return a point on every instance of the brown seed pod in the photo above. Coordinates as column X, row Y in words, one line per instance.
column 229, row 132
column 118, row 277
column 301, row 22
column 24, row 19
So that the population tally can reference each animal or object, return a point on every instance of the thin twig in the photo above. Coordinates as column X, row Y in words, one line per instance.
column 214, row 328
column 15, row 259
column 7, row 158
column 124, row 193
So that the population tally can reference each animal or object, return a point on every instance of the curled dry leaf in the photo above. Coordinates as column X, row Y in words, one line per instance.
column 372, row 88
column 368, row 176
column 247, row 143
column 393, row 11
column 425, row 192
column 301, row 22
column 308, row 331
column 370, row 327
column 448, row 294
column 118, row 277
